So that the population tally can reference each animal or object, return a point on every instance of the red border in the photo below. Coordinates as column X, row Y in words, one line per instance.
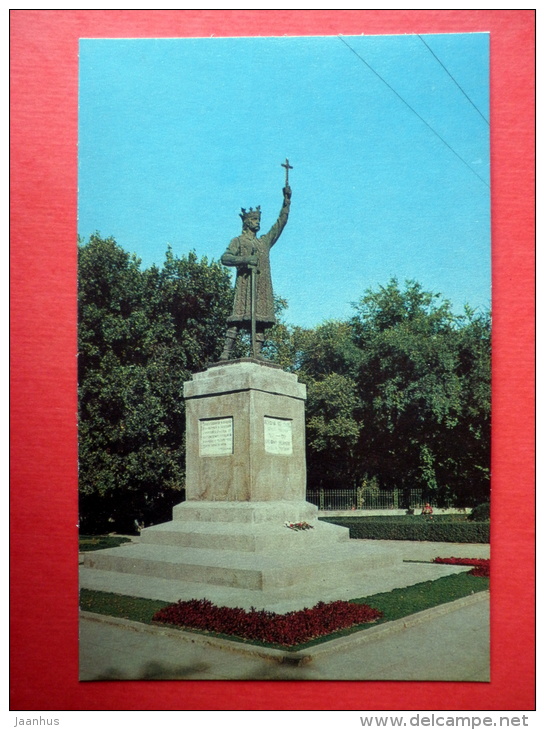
column 44, row 48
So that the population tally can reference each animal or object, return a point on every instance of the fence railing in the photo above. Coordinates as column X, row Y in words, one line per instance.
column 348, row 499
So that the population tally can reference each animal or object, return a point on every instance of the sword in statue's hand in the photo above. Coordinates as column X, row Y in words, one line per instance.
column 253, row 312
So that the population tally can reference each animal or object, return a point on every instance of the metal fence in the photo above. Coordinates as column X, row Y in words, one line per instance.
column 361, row 499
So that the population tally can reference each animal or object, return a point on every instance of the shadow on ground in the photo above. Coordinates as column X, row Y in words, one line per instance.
column 151, row 670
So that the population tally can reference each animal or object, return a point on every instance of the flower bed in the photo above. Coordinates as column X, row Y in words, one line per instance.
column 481, row 566
column 290, row 629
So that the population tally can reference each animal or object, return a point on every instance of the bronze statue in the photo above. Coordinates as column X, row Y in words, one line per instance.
column 253, row 306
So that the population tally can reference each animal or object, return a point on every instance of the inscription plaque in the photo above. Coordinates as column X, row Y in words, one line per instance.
column 216, row 437
column 278, row 436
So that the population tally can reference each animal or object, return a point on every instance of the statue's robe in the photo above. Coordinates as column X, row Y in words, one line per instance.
column 237, row 254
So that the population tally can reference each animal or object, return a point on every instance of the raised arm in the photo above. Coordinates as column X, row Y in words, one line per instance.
column 274, row 234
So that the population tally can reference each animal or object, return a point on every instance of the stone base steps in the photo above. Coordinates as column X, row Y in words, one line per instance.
column 249, row 570
column 243, row 536
column 242, row 554
column 279, row 601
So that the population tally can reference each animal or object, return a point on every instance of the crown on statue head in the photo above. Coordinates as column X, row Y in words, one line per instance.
column 246, row 214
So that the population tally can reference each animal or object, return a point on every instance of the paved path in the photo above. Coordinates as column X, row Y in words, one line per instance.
column 442, row 644
column 414, row 550
column 446, row 643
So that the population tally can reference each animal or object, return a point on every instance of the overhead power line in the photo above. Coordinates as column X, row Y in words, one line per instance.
column 452, row 77
column 414, row 111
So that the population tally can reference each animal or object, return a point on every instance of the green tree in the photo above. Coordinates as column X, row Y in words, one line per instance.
column 284, row 343
column 141, row 335
column 468, row 445
column 398, row 396
column 424, row 384
column 333, row 431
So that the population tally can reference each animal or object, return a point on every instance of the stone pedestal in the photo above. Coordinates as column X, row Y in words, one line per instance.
column 245, row 434
column 245, row 479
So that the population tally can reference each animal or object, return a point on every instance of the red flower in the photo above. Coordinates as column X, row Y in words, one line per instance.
column 288, row 629
column 481, row 566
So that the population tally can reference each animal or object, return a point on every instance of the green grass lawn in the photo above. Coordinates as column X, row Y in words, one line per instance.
column 396, row 604
column 111, row 604
column 403, row 602
column 100, row 542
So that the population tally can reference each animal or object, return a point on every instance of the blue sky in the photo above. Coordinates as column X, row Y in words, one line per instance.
column 176, row 135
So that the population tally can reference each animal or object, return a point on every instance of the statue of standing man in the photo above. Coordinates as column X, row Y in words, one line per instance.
column 253, row 306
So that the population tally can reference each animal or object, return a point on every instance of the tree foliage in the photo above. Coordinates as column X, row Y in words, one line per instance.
column 398, row 395
column 141, row 335
column 424, row 383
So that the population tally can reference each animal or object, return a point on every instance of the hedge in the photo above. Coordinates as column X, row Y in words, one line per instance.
column 440, row 529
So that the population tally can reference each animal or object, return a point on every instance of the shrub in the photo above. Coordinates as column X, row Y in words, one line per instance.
column 480, row 513
column 87, row 543
column 481, row 566
column 295, row 627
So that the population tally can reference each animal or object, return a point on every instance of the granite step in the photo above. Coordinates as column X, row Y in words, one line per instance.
column 281, row 601
column 246, row 537
column 249, row 570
